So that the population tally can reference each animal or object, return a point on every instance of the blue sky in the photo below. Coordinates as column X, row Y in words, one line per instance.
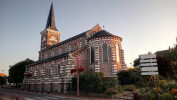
column 144, row 25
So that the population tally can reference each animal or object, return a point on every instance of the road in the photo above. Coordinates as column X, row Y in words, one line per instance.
column 23, row 95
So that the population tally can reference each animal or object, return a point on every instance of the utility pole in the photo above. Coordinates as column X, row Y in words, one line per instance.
column 77, row 68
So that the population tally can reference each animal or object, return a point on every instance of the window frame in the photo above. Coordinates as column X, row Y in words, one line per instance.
column 91, row 55
column 103, row 54
column 117, row 53
column 58, row 74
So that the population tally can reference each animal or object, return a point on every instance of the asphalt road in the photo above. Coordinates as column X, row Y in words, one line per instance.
column 23, row 95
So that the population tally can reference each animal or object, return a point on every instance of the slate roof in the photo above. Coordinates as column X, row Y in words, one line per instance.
column 51, row 19
column 101, row 34
column 67, row 40
column 51, row 58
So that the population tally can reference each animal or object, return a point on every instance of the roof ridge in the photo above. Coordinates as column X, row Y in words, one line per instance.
column 67, row 40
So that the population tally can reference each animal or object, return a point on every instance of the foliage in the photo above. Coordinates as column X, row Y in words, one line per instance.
column 170, row 61
column 175, row 77
column 120, row 89
column 79, row 70
column 145, row 91
column 173, row 53
column 89, row 82
column 151, row 96
column 129, row 87
column 164, row 67
column 27, row 75
column 73, row 70
column 166, row 89
column 136, row 62
column 93, row 83
column 167, row 96
column 109, row 82
column 111, row 91
column 174, row 92
column 161, row 83
column 131, row 76
column 2, row 80
column 16, row 72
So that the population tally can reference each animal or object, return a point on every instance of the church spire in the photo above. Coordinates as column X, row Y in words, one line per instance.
column 51, row 19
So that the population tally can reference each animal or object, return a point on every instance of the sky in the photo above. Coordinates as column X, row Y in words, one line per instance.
column 144, row 25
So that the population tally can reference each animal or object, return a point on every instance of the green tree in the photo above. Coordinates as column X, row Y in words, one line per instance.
column 93, row 83
column 131, row 76
column 164, row 67
column 136, row 62
column 2, row 80
column 16, row 72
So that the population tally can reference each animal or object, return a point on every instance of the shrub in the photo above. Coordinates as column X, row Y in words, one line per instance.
column 131, row 76
column 161, row 83
column 174, row 91
column 93, row 83
column 175, row 77
column 129, row 87
column 167, row 96
column 111, row 91
column 89, row 82
column 166, row 86
column 151, row 96
column 145, row 91
column 120, row 89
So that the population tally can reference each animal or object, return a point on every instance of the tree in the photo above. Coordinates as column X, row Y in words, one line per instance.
column 93, row 83
column 2, row 80
column 136, row 62
column 16, row 72
column 164, row 67
column 131, row 76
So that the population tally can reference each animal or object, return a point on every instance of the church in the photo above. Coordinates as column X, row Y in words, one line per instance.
column 99, row 51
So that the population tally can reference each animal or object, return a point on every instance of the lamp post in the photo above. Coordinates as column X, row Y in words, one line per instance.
column 78, row 68
column 3, row 71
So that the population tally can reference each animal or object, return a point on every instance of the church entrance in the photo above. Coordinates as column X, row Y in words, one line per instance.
column 51, row 87
column 62, row 87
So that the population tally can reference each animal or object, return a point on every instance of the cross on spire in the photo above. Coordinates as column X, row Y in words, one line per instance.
column 103, row 27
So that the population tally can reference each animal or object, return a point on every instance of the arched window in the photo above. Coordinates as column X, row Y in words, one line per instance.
column 58, row 69
column 41, row 73
column 66, row 48
column 75, row 46
column 59, row 51
column 92, row 55
column 105, row 52
column 80, row 44
column 52, row 53
column 117, row 53
column 49, row 72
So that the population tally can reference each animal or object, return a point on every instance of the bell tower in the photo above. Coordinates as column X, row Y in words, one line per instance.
column 50, row 35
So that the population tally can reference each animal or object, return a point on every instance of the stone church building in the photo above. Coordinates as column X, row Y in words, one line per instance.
column 99, row 51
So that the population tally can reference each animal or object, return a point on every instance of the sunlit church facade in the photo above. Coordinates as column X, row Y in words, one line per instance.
column 99, row 51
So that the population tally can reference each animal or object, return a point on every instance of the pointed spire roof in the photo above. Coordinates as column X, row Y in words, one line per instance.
column 51, row 19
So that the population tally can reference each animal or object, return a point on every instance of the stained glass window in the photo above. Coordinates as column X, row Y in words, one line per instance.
column 105, row 52
column 92, row 55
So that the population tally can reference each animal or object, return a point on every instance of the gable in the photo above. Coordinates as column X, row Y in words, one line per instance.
column 93, row 31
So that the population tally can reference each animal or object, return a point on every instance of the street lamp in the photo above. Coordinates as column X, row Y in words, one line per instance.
column 3, row 71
